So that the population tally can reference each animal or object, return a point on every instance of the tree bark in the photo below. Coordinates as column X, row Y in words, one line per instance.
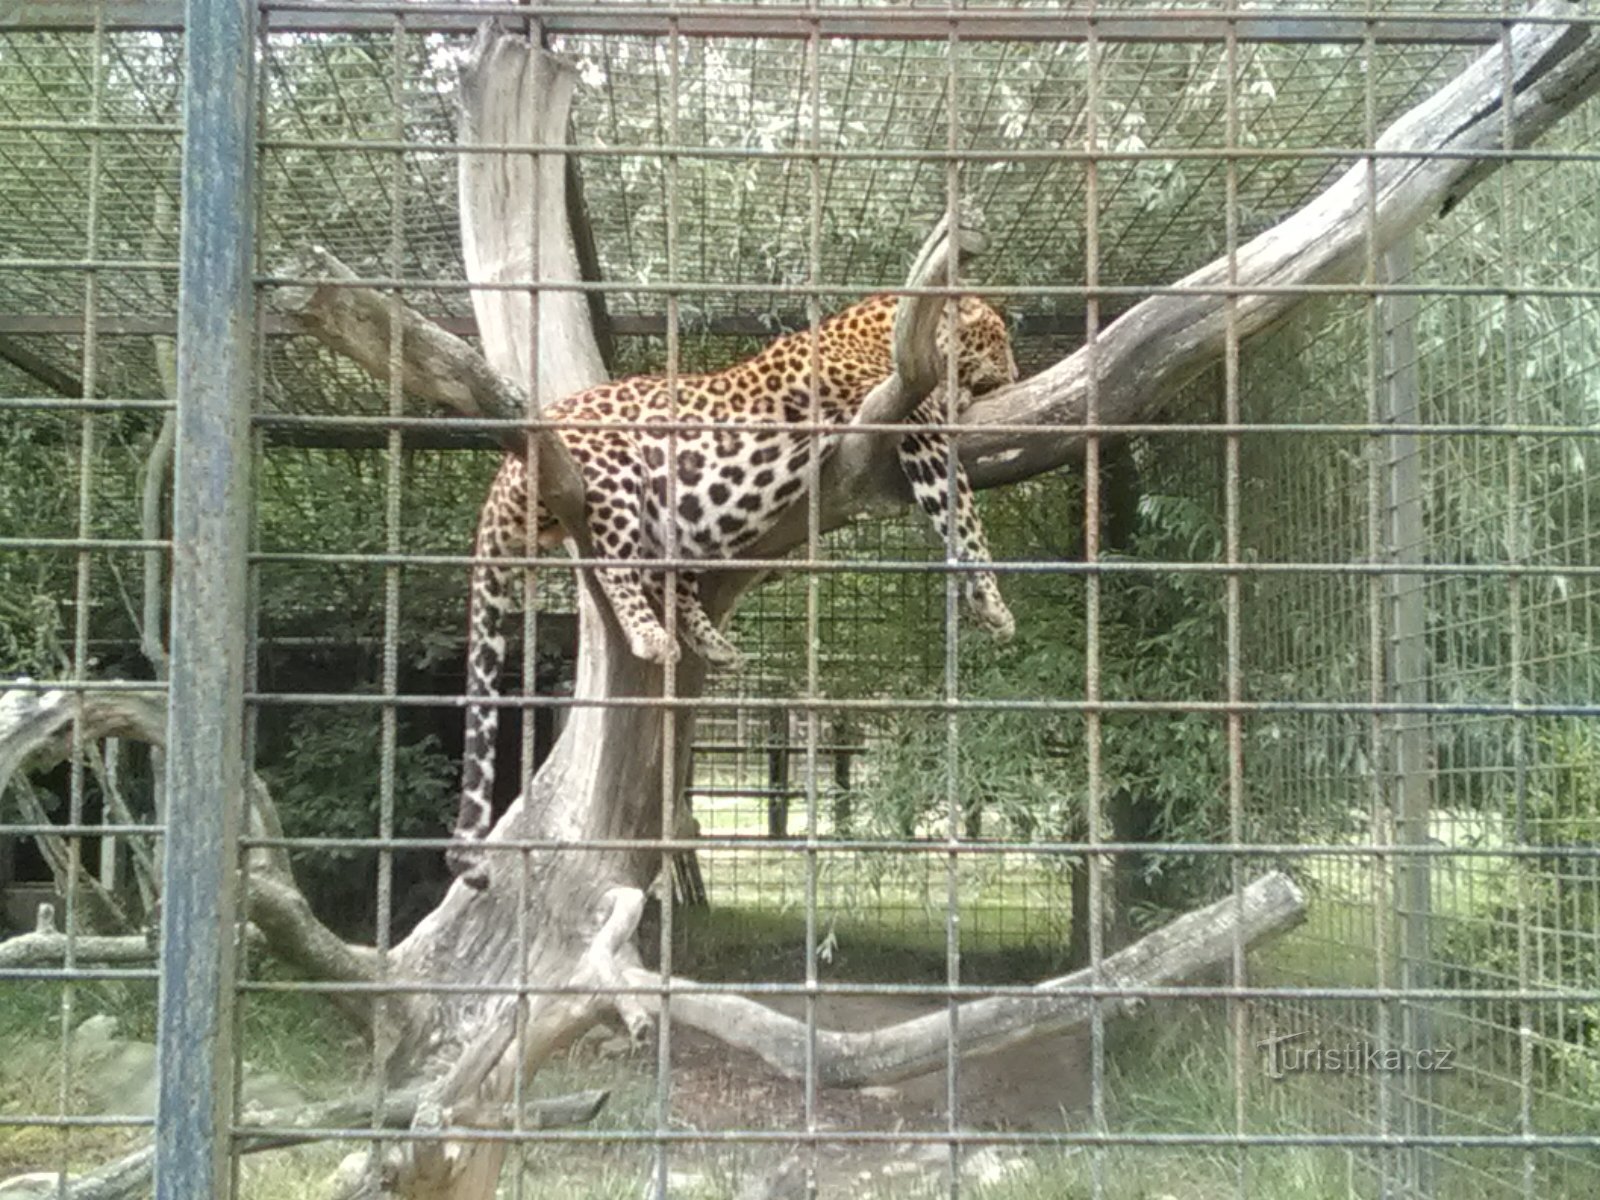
column 604, row 776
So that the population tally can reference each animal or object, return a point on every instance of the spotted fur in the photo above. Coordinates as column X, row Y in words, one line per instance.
column 731, row 484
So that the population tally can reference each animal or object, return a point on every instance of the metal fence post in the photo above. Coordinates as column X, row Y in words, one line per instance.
column 209, row 537
column 1411, row 757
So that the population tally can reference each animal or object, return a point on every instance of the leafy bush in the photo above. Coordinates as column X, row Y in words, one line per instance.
column 323, row 769
column 1160, row 636
column 1551, row 900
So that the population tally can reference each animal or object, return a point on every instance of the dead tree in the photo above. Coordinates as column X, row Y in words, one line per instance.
column 564, row 918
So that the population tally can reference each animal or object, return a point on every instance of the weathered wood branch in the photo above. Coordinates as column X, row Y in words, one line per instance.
column 130, row 1175
column 45, row 946
column 1141, row 358
column 35, row 732
column 435, row 365
column 919, row 366
column 1177, row 951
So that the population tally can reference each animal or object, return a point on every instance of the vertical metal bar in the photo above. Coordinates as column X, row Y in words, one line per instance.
column 1406, row 683
column 1093, row 726
column 669, row 619
column 952, row 627
column 528, row 579
column 1515, row 553
column 778, row 773
column 1234, row 729
column 83, row 586
column 1381, row 816
column 393, row 481
column 261, row 102
column 813, row 102
column 211, row 507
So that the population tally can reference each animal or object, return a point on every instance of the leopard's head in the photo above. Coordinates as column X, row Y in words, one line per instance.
column 984, row 361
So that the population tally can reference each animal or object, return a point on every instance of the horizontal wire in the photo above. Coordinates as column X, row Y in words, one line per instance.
column 917, row 154
column 744, row 843
column 81, row 544
column 17, row 125
column 994, row 23
column 461, row 424
column 76, row 1121
column 77, row 974
column 169, row 266
column 850, row 566
column 1219, row 708
column 951, row 17
column 950, row 991
column 871, row 566
column 764, row 844
column 825, row 291
column 943, row 1137
column 73, row 404
column 1486, row 708
column 695, row 288
column 73, row 829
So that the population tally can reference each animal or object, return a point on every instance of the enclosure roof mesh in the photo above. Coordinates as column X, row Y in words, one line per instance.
column 68, row 194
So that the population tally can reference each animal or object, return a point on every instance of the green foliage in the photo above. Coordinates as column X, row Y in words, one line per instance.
column 1545, row 903
column 42, row 468
column 1160, row 636
column 324, row 776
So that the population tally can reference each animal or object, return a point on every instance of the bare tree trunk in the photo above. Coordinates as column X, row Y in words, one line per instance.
column 604, row 776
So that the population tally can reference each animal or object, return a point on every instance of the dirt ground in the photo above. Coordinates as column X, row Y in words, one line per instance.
column 1043, row 1085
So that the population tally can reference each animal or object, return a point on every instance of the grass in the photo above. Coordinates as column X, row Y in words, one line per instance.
column 1171, row 1070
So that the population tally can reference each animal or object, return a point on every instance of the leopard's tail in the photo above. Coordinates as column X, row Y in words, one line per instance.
column 501, row 532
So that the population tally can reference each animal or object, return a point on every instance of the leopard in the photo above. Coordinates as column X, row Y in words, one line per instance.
column 725, row 485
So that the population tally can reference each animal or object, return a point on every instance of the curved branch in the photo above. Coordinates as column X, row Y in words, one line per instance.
column 35, row 728
column 918, row 364
column 1141, row 358
column 1198, row 939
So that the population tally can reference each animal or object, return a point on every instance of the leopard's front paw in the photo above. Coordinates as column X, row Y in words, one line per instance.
column 991, row 610
column 653, row 645
column 720, row 652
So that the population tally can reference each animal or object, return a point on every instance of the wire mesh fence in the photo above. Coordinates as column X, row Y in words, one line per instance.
column 1305, row 618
